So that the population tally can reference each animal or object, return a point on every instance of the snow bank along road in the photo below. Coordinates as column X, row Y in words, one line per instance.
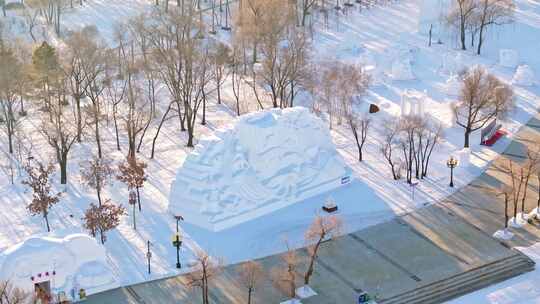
column 452, row 237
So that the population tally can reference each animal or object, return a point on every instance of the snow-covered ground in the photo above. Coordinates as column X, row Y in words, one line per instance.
column 376, row 36
column 523, row 289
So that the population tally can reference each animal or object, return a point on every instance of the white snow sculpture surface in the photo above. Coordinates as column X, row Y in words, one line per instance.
column 508, row 58
column 412, row 103
column 267, row 161
column 524, row 76
column 75, row 261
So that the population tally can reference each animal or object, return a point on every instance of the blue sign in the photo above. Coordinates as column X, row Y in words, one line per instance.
column 345, row 180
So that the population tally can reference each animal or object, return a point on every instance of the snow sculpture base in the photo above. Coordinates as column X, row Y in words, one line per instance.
column 503, row 234
column 267, row 161
column 524, row 76
column 291, row 301
column 518, row 222
column 305, row 292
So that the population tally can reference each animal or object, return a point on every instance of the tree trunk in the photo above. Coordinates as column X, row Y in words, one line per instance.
column 79, row 117
column 480, row 40
column 46, row 216
column 98, row 195
column 505, row 211
column 63, row 169
column 138, row 198
column 98, row 140
column 467, row 135
column 158, row 130
column 134, row 219
column 250, row 291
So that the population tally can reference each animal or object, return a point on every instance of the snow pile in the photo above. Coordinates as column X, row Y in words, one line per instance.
column 508, row 58
column 524, row 76
column 267, row 161
column 73, row 262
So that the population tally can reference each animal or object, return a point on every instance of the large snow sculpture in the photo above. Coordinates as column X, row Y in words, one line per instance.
column 524, row 76
column 267, row 161
column 57, row 265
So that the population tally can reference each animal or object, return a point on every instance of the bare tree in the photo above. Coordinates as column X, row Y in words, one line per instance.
column 183, row 63
column 96, row 173
column 93, row 69
column 530, row 168
column 461, row 15
column 322, row 229
column 351, row 86
column 60, row 130
column 38, row 181
column 285, row 275
column 221, row 57
column 11, row 71
column 388, row 144
column 80, row 48
column 10, row 294
column 492, row 12
column 517, row 175
column 102, row 218
column 483, row 98
column 206, row 269
column 251, row 274
column 132, row 173
column 429, row 135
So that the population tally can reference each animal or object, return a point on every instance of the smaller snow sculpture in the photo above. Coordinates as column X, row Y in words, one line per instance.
column 508, row 58
column 57, row 265
column 453, row 85
column 524, row 76
column 412, row 103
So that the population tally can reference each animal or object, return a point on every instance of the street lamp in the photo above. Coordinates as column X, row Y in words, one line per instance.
column 452, row 163
column 177, row 240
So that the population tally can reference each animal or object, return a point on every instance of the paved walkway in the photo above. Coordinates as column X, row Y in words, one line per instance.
column 408, row 251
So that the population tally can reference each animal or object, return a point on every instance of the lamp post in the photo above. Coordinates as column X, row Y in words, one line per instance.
column 452, row 163
column 148, row 256
column 177, row 240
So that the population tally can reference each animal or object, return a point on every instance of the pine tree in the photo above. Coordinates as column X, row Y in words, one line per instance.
column 102, row 218
column 42, row 198
column 45, row 69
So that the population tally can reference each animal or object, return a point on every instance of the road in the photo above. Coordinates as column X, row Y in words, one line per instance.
column 389, row 258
